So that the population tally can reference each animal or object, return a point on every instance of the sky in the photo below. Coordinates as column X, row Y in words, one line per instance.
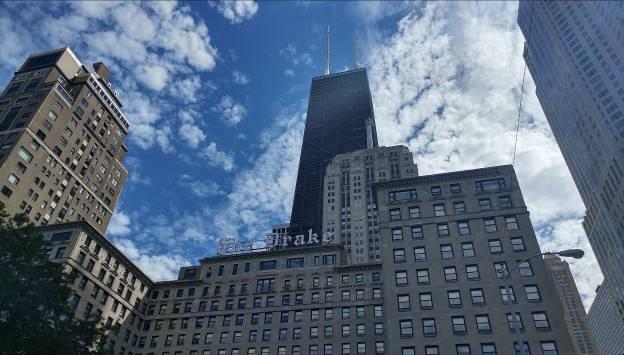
column 216, row 94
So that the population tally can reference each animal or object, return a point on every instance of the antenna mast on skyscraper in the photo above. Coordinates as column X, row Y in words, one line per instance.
column 327, row 68
column 357, row 50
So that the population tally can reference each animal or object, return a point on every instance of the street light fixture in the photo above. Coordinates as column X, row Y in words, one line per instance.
column 567, row 253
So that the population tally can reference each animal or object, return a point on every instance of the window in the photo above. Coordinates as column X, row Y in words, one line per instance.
column 439, row 210
column 443, row 230
column 495, row 246
column 490, row 185
column 549, row 348
column 483, row 323
column 504, row 202
column 450, row 274
column 406, row 328
column 408, row 351
column 429, row 327
column 511, row 222
column 517, row 244
column 503, row 293
column 379, row 329
column 463, row 227
column 532, row 293
column 540, row 320
column 436, row 191
column 397, row 234
column 422, row 276
column 402, row 195
column 417, row 232
column 489, row 224
column 459, row 207
column 24, row 154
column 265, row 285
column 472, row 272
column 414, row 212
column 420, row 254
column 455, row 188
column 459, row 325
column 432, row 350
column 378, row 310
column 488, row 349
column 395, row 214
column 399, row 255
column 403, row 302
column 379, row 347
column 476, row 294
column 14, row 179
column 400, row 278
column 268, row 265
column 294, row 263
column 462, row 349
column 467, row 249
column 524, row 268
column 518, row 319
column 446, row 250
column 454, row 298
column 484, row 204
column 500, row 267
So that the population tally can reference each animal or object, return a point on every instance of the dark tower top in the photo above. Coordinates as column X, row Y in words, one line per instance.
column 338, row 110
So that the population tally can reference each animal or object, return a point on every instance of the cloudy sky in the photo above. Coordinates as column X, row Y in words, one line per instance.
column 216, row 94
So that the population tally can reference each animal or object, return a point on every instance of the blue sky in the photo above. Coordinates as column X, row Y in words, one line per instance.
column 216, row 93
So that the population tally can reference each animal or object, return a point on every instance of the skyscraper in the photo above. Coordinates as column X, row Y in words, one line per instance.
column 575, row 53
column 340, row 119
column 605, row 321
column 61, row 141
column 350, row 212
column 573, row 309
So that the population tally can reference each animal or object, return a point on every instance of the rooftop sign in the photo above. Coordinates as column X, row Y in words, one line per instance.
column 231, row 245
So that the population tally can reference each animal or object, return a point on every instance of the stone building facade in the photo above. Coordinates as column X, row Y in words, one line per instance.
column 61, row 141
column 348, row 209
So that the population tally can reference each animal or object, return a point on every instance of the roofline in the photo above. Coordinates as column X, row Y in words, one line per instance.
column 338, row 74
column 100, row 238
column 270, row 253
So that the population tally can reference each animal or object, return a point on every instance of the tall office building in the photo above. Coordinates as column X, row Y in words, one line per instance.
column 350, row 213
column 61, row 141
column 574, row 311
column 340, row 119
column 575, row 53
column 605, row 320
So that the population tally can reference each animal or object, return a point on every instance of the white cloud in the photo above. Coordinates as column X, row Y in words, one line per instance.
column 240, row 78
column 231, row 111
column 218, row 158
column 455, row 105
column 200, row 188
column 158, row 267
column 192, row 134
column 119, row 224
column 289, row 72
column 154, row 77
column 134, row 171
column 263, row 194
column 236, row 11
column 294, row 56
column 186, row 89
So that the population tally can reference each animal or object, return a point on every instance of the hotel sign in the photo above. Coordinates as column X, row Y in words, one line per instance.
column 274, row 240
column 231, row 245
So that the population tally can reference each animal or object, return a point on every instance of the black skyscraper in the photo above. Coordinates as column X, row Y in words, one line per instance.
column 339, row 109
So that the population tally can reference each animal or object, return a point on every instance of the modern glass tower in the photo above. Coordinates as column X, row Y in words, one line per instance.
column 340, row 119
column 575, row 52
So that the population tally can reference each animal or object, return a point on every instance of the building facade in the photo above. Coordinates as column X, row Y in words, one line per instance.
column 61, row 141
column 575, row 53
column 349, row 211
column 108, row 286
column 574, row 311
column 340, row 119
column 604, row 319
column 446, row 240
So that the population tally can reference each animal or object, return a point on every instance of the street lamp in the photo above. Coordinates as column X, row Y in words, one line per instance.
column 568, row 253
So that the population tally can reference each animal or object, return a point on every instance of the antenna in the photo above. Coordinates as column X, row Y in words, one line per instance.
column 357, row 50
column 327, row 67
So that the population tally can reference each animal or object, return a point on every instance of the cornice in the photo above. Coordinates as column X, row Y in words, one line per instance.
column 271, row 253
